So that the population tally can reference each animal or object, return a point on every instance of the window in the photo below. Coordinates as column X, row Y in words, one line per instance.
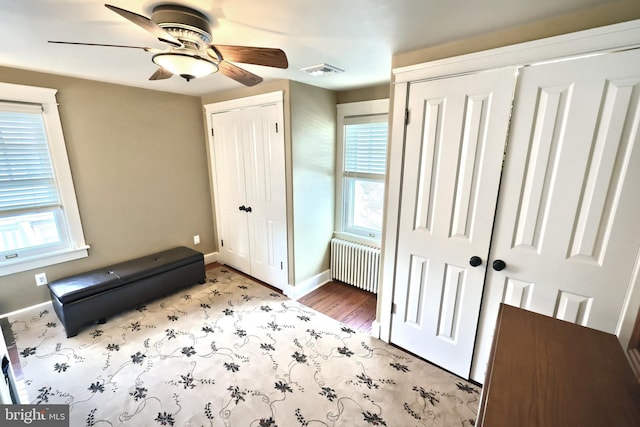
column 39, row 219
column 361, row 167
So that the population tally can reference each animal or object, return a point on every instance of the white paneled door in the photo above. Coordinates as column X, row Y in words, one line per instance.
column 233, row 232
column 266, row 193
column 250, row 174
column 568, row 222
column 454, row 149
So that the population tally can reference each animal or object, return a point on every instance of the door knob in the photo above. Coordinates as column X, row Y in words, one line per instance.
column 475, row 261
column 499, row 265
column 242, row 208
column 248, row 209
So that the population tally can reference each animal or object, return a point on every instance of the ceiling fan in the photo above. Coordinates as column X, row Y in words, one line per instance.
column 190, row 53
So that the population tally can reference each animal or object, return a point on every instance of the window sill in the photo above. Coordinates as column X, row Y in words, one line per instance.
column 44, row 260
column 356, row 239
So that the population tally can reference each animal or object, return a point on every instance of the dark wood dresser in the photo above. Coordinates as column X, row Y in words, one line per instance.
column 546, row 372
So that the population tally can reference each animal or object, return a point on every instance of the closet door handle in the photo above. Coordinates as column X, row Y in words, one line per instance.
column 248, row 209
column 475, row 261
column 499, row 265
column 242, row 208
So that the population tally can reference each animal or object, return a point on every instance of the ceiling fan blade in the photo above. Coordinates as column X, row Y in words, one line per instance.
column 161, row 74
column 147, row 24
column 148, row 49
column 266, row 56
column 238, row 74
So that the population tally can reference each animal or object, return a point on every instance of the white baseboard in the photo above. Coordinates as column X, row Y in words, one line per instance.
column 211, row 257
column 375, row 329
column 307, row 286
column 12, row 313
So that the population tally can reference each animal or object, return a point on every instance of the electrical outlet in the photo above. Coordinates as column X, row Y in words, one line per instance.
column 196, row 239
column 41, row 279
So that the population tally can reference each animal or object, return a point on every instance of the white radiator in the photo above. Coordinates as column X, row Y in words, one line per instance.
column 355, row 264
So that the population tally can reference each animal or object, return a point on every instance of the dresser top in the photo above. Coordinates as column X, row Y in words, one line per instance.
column 548, row 372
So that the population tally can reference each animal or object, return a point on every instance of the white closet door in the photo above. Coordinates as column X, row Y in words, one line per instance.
column 453, row 157
column 250, row 179
column 233, row 232
column 568, row 224
column 266, row 193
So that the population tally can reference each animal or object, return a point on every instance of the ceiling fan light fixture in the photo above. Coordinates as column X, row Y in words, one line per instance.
column 186, row 65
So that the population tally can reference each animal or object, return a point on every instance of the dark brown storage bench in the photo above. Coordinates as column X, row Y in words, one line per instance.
column 98, row 294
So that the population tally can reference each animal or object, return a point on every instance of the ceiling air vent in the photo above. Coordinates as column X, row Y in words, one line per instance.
column 322, row 70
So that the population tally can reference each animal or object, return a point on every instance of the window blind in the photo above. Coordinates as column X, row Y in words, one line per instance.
column 365, row 148
column 27, row 180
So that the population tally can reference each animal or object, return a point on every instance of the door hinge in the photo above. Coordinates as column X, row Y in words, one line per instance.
column 212, row 133
column 406, row 116
column 277, row 127
column 221, row 242
column 281, row 265
column 393, row 308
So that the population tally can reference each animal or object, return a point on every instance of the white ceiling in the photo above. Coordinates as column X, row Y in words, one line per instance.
column 358, row 36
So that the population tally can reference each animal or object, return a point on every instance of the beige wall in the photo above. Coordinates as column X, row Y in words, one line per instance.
column 364, row 94
column 313, row 130
column 139, row 167
column 243, row 92
column 610, row 13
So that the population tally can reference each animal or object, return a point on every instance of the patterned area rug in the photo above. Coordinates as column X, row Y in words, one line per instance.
column 232, row 353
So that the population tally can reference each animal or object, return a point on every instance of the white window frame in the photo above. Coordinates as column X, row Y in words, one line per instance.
column 345, row 113
column 77, row 247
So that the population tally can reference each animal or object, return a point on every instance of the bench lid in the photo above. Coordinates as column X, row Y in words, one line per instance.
column 157, row 263
column 93, row 282
column 82, row 285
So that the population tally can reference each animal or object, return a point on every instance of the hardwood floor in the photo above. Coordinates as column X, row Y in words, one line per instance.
column 345, row 303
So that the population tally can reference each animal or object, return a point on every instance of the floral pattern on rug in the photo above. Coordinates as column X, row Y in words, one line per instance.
column 232, row 353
